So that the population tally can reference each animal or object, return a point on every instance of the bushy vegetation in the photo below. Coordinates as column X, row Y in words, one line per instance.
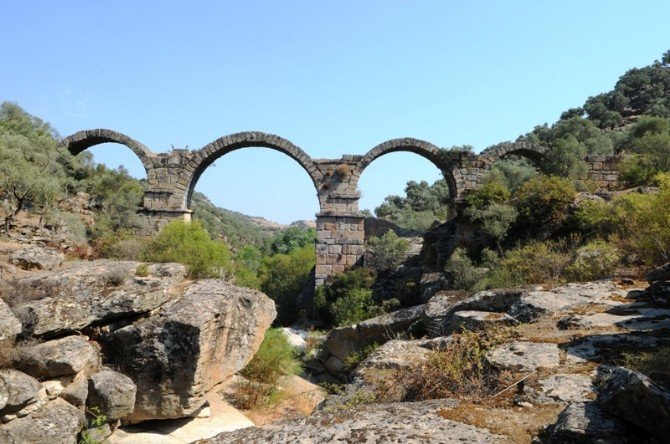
column 386, row 253
column 283, row 277
column 274, row 359
column 190, row 244
column 351, row 287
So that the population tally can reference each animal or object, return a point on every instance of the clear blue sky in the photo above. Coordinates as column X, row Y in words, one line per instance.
column 333, row 77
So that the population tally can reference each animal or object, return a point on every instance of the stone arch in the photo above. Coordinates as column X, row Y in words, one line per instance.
column 82, row 140
column 204, row 157
column 424, row 149
column 531, row 151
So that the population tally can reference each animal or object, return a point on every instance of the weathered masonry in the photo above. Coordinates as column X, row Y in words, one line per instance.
column 172, row 177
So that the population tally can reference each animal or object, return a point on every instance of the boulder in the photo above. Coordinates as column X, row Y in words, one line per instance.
column 33, row 257
column 396, row 422
column 112, row 393
column 635, row 398
column 10, row 326
column 524, row 356
column 344, row 341
column 588, row 423
column 60, row 357
column 661, row 273
column 55, row 422
column 189, row 347
column 76, row 392
column 83, row 293
column 16, row 390
column 660, row 293
column 430, row 284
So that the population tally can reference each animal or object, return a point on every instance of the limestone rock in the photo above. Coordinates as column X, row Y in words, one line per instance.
column 588, row 423
column 82, row 293
column 176, row 356
column 76, row 392
column 295, row 337
column 343, row 341
column 395, row 354
column 524, row 356
column 60, row 357
column 18, row 390
column 399, row 422
column 52, row 388
column 561, row 388
column 473, row 320
column 661, row 273
column 439, row 311
column 55, row 422
column 112, row 393
column 10, row 326
column 634, row 397
column 34, row 257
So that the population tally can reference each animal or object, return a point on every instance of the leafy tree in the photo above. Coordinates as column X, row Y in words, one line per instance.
column 339, row 287
column 422, row 205
column 292, row 239
column 649, row 139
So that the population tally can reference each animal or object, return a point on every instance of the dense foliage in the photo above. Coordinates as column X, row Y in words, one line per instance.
column 190, row 244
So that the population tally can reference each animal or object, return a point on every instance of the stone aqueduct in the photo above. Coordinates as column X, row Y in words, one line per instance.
column 172, row 177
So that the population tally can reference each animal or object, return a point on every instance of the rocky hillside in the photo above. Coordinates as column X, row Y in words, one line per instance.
column 535, row 364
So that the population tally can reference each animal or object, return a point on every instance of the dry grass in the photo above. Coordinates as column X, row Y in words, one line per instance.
column 459, row 370
column 519, row 424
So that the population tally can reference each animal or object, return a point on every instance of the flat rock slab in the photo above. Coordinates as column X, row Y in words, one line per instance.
column 524, row 356
column 472, row 320
column 33, row 257
column 415, row 422
column 561, row 388
column 592, row 348
column 82, row 293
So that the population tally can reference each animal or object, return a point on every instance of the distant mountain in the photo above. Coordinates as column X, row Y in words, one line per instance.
column 238, row 229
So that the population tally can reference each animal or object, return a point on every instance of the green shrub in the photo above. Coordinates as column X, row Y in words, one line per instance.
column 355, row 306
column 387, row 252
column 464, row 273
column 534, row 263
column 595, row 260
column 69, row 225
column 189, row 244
column 596, row 218
column 283, row 276
column 644, row 225
column 338, row 287
column 543, row 202
column 142, row 270
column 492, row 191
column 275, row 358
